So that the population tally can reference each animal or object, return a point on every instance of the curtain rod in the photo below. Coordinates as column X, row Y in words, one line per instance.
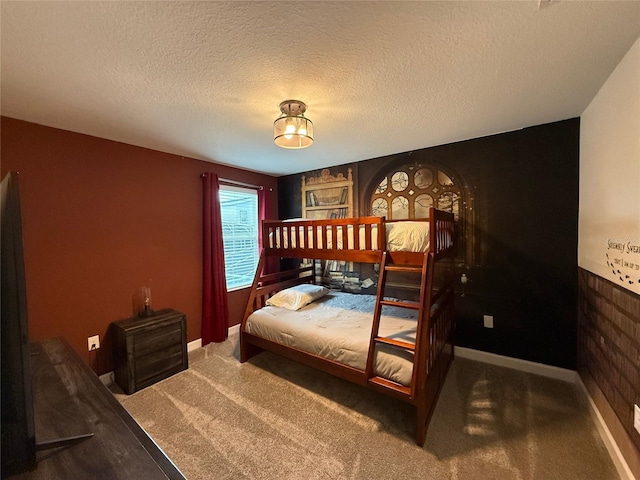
column 235, row 183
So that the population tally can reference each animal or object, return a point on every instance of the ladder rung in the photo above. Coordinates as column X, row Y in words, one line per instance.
column 383, row 382
column 396, row 343
column 395, row 303
column 403, row 268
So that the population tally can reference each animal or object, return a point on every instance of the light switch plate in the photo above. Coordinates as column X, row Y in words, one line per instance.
column 488, row 321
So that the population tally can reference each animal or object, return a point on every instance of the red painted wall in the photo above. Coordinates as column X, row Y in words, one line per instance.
column 100, row 220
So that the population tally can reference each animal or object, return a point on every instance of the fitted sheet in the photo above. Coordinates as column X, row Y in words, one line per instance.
column 338, row 327
column 405, row 236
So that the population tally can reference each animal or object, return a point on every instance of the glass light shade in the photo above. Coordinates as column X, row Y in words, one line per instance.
column 292, row 129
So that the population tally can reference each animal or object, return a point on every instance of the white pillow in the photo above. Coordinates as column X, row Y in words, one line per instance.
column 408, row 236
column 295, row 298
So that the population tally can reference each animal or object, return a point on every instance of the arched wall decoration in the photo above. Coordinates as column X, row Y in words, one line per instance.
column 408, row 191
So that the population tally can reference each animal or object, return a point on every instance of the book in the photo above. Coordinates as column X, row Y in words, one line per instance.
column 343, row 195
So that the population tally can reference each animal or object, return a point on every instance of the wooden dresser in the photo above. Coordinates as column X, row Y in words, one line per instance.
column 149, row 349
column 70, row 402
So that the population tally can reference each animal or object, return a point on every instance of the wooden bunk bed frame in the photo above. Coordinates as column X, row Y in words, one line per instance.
column 433, row 349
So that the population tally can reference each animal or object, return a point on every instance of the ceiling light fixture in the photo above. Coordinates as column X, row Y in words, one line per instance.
column 292, row 129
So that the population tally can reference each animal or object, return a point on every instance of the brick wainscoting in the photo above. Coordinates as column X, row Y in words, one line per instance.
column 609, row 354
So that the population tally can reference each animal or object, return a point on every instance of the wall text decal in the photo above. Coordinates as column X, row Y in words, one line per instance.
column 623, row 258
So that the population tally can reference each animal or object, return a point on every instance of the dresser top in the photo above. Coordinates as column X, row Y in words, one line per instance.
column 158, row 316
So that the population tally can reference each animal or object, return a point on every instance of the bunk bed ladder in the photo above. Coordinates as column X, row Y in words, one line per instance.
column 386, row 265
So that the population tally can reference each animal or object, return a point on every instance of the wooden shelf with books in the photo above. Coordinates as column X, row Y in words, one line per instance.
column 327, row 196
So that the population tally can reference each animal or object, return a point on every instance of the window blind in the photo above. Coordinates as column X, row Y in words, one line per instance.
column 239, row 213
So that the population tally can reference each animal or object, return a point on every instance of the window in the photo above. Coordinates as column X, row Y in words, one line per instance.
column 239, row 212
column 410, row 191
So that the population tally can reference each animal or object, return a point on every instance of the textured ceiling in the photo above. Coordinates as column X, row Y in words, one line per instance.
column 204, row 79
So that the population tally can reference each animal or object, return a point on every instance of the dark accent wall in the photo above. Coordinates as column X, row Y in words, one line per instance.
column 100, row 220
column 609, row 344
column 521, row 225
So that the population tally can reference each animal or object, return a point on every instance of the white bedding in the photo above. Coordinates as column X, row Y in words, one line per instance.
column 406, row 236
column 338, row 327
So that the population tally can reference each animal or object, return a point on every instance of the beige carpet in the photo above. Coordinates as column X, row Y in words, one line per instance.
column 271, row 418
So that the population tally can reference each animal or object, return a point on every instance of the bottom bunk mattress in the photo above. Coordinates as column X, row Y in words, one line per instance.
column 338, row 327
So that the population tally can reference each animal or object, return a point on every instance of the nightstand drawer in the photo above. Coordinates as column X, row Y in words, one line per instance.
column 153, row 341
column 149, row 349
column 158, row 362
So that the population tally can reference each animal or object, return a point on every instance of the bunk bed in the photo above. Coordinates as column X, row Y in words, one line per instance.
column 399, row 347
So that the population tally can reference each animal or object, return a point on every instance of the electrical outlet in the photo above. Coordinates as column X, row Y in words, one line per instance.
column 636, row 418
column 93, row 342
column 488, row 321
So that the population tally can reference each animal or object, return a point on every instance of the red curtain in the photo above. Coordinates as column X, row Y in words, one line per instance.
column 215, row 311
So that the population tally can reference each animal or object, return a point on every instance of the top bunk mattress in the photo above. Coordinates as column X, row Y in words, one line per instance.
column 338, row 327
column 402, row 236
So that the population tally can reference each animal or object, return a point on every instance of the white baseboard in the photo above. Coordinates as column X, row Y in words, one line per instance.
column 609, row 442
column 106, row 378
column 557, row 373
column 193, row 345
column 517, row 364
column 198, row 342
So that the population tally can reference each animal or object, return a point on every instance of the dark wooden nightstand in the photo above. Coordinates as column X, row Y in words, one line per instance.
column 149, row 349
